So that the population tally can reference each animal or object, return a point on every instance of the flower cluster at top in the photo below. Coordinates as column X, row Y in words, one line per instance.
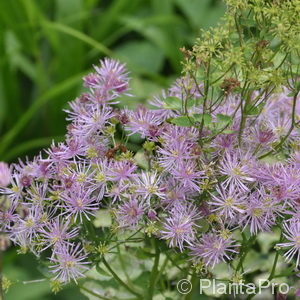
column 194, row 190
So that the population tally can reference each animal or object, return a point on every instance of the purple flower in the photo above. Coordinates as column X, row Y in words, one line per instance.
column 144, row 122
column 260, row 212
column 129, row 213
column 99, row 182
column 152, row 215
column 81, row 171
column 8, row 214
column 161, row 111
column 229, row 107
column 225, row 142
column 191, row 174
column 113, row 75
column 212, row 248
column 184, row 134
column 281, row 125
column 179, row 227
column 116, row 192
column 79, row 202
column 21, row 239
column 283, row 180
column 57, row 156
column 74, row 146
column 236, row 170
column 37, row 193
column 92, row 121
column 174, row 153
column 5, row 174
column 148, row 185
column 68, row 263
column 30, row 225
column 188, row 175
column 263, row 136
column 174, row 192
column 55, row 233
column 109, row 81
column 120, row 171
column 292, row 234
column 14, row 192
column 229, row 202
column 295, row 159
column 184, row 86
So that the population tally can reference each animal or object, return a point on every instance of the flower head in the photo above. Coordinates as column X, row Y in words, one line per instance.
column 237, row 171
column 69, row 263
column 55, row 233
column 292, row 234
column 179, row 228
column 129, row 213
column 79, row 202
column 212, row 248
column 228, row 202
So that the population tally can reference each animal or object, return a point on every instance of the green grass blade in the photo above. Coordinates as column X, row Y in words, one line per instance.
column 26, row 117
column 27, row 146
column 78, row 35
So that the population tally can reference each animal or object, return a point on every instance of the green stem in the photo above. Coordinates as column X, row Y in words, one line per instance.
column 93, row 293
column 162, row 268
column 293, row 117
column 220, row 77
column 244, row 116
column 245, row 250
column 154, row 273
column 129, row 239
column 119, row 280
column 176, row 265
column 1, row 278
column 123, row 266
column 287, row 274
column 272, row 274
column 273, row 270
column 189, row 296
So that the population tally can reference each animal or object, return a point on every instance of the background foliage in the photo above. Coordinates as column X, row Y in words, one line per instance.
column 47, row 46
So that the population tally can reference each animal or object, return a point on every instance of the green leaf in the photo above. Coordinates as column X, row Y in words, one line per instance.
column 173, row 103
column 102, row 218
column 38, row 103
column 192, row 102
column 183, row 121
column 207, row 119
column 141, row 160
column 143, row 279
column 155, row 33
column 200, row 12
column 253, row 110
column 224, row 118
column 101, row 271
column 78, row 35
column 134, row 53
column 15, row 56
column 26, row 146
column 204, row 225
column 228, row 131
column 248, row 22
column 144, row 253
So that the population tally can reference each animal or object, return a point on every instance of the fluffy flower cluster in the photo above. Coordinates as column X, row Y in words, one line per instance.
column 190, row 178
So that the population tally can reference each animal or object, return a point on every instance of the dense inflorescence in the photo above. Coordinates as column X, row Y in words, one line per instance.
column 190, row 178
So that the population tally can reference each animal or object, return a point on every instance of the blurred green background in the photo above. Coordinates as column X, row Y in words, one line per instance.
column 46, row 46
